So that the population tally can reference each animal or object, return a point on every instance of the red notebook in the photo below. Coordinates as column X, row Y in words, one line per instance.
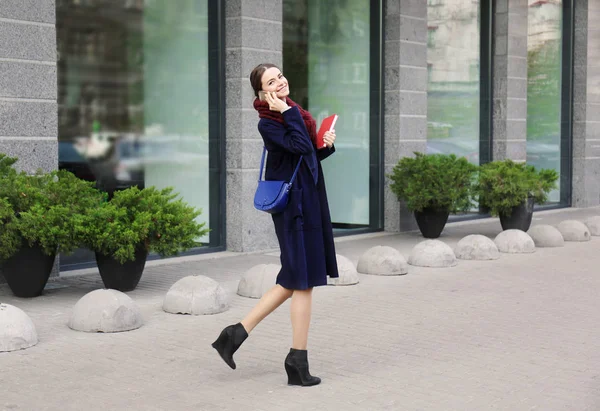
column 327, row 125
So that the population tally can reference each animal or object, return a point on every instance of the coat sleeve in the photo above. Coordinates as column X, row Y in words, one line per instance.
column 291, row 136
column 325, row 152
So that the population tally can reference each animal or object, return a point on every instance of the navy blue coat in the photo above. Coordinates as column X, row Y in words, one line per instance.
column 304, row 229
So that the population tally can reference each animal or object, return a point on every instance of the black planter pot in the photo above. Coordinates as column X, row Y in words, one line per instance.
column 520, row 217
column 122, row 277
column 431, row 222
column 27, row 271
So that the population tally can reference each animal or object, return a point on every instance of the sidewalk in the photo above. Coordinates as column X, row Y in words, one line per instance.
column 518, row 333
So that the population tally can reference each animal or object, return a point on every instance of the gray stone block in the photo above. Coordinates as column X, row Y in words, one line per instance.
column 391, row 51
column 32, row 153
column 17, row 331
column 259, row 34
column 196, row 295
column 413, row 8
column 501, row 42
column 413, row 128
column 392, row 28
column 251, row 153
column 391, row 208
column 105, row 311
column 517, row 67
column 233, row 93
column 413, row 103
column 392, row 102
column 413, row 54
column 412, row 29
column 516, row 130
column 23, row 80
column 233, row 8
column 28, row 42
column 516, row 109
column 516, row 88
column 392, row 78
column 517, row 46
column 241, row 61
column 413, row 78
column 517, row 24
column 263, row 9
column 432, row 253
column 43, row 11
column 500, row 24
column 407, row 148
column 28, row 119
column 233, row 32
column 502, row 6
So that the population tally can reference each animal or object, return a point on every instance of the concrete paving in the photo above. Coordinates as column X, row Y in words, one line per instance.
column 517, row 333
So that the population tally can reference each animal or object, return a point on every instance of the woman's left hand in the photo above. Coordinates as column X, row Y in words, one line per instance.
column 329, row 138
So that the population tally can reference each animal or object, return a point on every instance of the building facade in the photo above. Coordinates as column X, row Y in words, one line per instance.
column 156, row 92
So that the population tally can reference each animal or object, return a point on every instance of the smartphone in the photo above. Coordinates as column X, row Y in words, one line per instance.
column 261, row 95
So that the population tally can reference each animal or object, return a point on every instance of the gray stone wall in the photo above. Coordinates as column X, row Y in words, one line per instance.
column 509, row 124
column 405, row 126
column 586, row 107
column 28, row 107
column 254, row 36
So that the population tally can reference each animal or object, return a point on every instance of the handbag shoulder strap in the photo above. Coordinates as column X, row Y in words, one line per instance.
column 262, row 164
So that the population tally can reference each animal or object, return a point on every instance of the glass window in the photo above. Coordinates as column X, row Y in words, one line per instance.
column 133, row 84
column 453, row 92
column 327, row 58
column 544, row 78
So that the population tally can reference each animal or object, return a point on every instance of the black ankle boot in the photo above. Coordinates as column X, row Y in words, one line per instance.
column 229, row 341
column 296, row 366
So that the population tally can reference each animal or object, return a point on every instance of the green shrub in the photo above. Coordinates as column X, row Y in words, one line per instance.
column 434, row 181
column 503, row 185
column 42, row 209
column 156, row 219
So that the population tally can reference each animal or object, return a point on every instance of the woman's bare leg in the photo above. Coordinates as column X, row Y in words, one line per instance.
column 301, row 312
column 267, row 304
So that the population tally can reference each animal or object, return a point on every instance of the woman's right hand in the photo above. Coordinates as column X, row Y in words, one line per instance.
column 275, row 103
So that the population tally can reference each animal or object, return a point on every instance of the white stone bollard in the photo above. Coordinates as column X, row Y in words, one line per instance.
column 573, row 230
column 514, row 242
column 105, row 311
column 432, row 253
column 382, row 260
column 545, row 235
column 258, row 280
column 196, row 295
column 476, row 247
column 17, row 331
column 593, row 224
column 347, row 272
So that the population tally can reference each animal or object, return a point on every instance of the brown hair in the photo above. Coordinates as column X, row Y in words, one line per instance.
column 256, row 76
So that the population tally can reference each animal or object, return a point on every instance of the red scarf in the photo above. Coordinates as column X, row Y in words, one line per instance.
column 265, row 112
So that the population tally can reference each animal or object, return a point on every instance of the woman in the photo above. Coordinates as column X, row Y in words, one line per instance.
column 303, row 228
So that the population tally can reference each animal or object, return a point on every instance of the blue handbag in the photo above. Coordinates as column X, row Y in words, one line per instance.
column 273, row 196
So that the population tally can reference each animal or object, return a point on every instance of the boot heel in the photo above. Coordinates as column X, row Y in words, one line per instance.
column 293, row 375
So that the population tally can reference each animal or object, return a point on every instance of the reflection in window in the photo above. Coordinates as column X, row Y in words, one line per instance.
column 326, row 58
column 133, row 94
column 544, row 86
column 453, row 57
